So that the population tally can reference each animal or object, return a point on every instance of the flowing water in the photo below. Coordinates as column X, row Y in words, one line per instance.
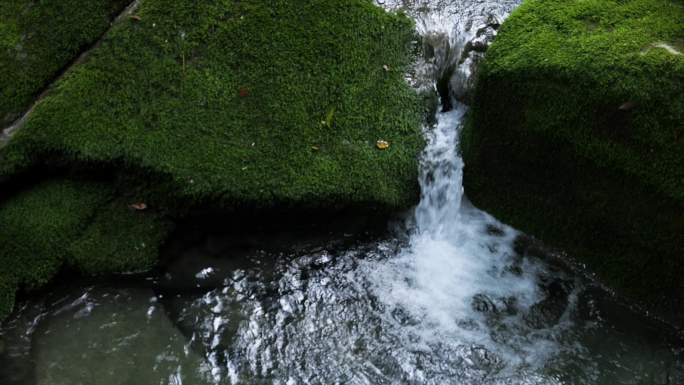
column 449, row 296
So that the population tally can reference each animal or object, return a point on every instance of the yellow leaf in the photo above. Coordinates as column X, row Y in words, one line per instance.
column 382, row 144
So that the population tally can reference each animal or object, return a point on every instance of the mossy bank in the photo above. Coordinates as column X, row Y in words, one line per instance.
column 576, row 136
column 219, row 103
column 40, row 38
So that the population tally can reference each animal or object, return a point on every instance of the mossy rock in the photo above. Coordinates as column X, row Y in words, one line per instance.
column 213, row 104
column 576, row 137
column 245, row 103
column 40, row 38
column 74, row 223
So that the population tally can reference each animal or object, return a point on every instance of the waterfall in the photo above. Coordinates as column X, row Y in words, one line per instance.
column 450, row 303
column 452, row 259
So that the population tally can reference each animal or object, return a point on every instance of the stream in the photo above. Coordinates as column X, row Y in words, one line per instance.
column 445, row 294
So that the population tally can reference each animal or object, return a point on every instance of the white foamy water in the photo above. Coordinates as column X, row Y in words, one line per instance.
column 450, row 260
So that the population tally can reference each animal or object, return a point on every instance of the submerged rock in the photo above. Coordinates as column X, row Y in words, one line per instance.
column 16, row 335
column 113, row 336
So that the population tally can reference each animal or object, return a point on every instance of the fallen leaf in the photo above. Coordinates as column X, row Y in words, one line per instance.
column 315, row 148
column 136, row 18
column 382, row 144
column 626, row 106
column 386, row 68
column 138, row 206
column 243, row 92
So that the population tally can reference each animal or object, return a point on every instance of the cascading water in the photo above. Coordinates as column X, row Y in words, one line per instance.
column 453, row 297
column 400, row 312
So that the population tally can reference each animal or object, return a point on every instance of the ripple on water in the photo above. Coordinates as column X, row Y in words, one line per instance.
column 103, row 336
column 351, row 315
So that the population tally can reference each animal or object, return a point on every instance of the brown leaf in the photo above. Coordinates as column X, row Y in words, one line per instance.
column 138, row 206
column 243, row 92
column 136, row 18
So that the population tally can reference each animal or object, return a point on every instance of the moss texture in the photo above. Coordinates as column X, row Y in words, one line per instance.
column 257, row 103
column 76, row 223
column 218, row 104
column 576, row 136
column 38, row 39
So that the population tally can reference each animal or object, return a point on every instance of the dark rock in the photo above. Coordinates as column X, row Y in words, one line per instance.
column 483, row 304
column 549, row 311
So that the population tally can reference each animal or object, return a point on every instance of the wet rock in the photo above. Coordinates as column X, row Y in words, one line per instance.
column 483, row 361
column 494, row 230
column 471, row 56
column 549, row 311
column 197, row 270
column 16, row 361
column 524, row 379
column 495, row 308
column 483, row 304
column 403, row 317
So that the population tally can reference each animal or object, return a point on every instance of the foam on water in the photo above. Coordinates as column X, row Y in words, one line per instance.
column 450, row 259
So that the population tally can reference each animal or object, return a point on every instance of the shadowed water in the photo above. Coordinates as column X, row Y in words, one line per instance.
column 449, row 296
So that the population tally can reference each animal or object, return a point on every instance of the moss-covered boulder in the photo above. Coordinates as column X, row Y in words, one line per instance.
column 258, row 103
column 74, row 223
column 40, row 38
column 212, row 104
column 576, row 136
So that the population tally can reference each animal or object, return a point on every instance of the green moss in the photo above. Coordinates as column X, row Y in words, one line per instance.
column 576, row 134
column 37, row 227
column 8, row 287
column 119, row 240
column 38, row 39
column 236, row 103
column 248, row 103
column 71, row 222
